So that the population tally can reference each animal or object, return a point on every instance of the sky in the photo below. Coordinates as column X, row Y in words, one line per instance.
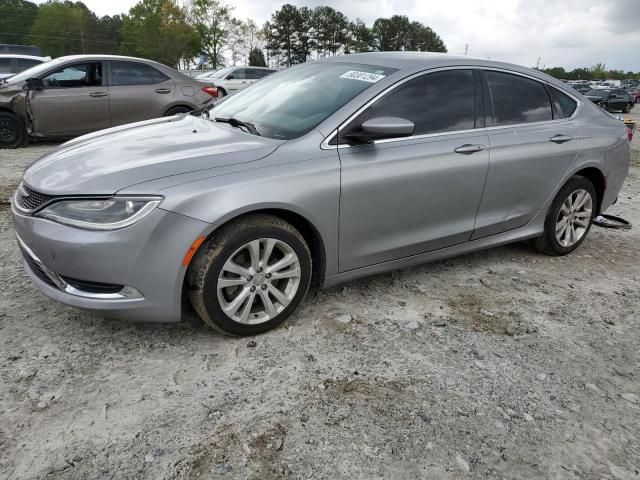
column 568, row 33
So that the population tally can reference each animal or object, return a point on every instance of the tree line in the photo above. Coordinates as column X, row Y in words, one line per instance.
column 206, row 30
column 595, row 72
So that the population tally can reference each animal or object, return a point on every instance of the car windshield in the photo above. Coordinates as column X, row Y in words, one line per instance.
column 35, row 71
column 221, row 73
column 288, row 104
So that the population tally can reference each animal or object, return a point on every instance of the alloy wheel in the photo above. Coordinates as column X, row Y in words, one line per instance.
column 258, row 281
column 574, row 218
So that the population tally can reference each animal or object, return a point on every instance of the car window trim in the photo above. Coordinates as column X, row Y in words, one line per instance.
column 326, row 146
column 71, row 64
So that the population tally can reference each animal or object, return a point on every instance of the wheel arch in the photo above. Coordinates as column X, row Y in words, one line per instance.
column 599, row 181
column 306, row 227
column 178, row 104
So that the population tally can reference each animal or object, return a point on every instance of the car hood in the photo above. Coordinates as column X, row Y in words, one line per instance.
column 104, row 162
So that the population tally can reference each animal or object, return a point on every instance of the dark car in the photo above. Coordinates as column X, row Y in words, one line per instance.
column 611, row 99
column 581, row 88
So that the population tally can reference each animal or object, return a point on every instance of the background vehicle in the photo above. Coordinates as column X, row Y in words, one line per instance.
column 243, row 209
column 231, row 80
column 611, row 99
column 78, row 94
column 13, row 63
column 8, row 48
column 581, row 87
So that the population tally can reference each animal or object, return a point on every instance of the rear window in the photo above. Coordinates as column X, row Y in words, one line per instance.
column 516, row 99
column 5, row 65
column 563, row 103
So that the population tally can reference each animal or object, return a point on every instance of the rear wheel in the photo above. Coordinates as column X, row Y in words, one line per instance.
column 569, row 218
column 628, row 107
column 250, row 276
column 221, row 92
column 176, row 111
column 12, row 131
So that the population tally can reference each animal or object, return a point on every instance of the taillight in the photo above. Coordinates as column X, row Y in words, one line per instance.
column 213, row 91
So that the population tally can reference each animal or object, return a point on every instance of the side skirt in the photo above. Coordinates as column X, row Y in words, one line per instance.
column 533, row 229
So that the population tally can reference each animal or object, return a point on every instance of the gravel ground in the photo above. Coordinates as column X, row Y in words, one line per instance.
column 501, row 364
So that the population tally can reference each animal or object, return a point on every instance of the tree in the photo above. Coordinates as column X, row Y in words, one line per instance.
column 55, row 41
column 16, row 20
column 157, row 29
column 399, row 33
column 256, row 58
column 598, row 71
column 331, row 30
column 288, row 35
column 213, row 24
column 360, row 38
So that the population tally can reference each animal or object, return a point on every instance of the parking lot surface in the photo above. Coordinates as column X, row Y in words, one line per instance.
column 501, row 364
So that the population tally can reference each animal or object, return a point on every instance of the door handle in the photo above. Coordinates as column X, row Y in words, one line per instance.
column 468, row 149
column 163, row 90
column 244, row 82
column 560, row 138
column 98, row 94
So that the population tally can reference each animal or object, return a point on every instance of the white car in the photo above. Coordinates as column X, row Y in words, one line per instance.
column 231, row 80
column 10, row 64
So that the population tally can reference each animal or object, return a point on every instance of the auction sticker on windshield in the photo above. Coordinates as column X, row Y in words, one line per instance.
column 363, row 76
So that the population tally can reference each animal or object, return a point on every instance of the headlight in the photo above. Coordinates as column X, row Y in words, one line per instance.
column 101, row 214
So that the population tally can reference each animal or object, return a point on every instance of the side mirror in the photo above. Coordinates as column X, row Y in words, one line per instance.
column 230, row 77
column 381, row 128
column 33, row 84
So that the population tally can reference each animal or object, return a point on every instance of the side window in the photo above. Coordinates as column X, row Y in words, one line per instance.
column 133, row 73
column 435, row 102
column 562, row 103
column 238, row 74
column 5, row 65
column 516, row 99
column 253, row 74
column 24, row 63
column 73, row 76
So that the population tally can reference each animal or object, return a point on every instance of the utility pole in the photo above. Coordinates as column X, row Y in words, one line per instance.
column 538, row 63
column 466, row 49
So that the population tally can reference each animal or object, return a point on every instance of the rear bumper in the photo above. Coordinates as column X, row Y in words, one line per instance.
column 134, row 273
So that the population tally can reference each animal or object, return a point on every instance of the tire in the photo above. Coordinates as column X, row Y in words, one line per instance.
column 177, row 110
column 221, row 92
column 12, row 131
column 628, row 107
column 240, row 307
column 579, row 220
column 605, row 107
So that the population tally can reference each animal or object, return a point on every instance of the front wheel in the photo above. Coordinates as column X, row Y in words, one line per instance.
column 569, row 218
column 12, row 131
column 176, row 111
column 628, row 107
column 250, row 276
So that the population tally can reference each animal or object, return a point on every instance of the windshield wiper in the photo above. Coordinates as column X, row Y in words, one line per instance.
column 234, row 122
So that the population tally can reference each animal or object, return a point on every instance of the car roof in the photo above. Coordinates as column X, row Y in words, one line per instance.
column 28, row 57
column 410, row 62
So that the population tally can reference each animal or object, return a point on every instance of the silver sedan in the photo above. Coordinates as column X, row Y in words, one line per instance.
column 319, row 174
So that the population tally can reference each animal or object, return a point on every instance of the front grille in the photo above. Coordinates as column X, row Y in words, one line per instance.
column 30, row 200
column 92, row 287
column 35, row 268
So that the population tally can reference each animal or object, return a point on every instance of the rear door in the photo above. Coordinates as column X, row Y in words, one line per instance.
column 73, row 100
column 410, row 195
column 138, row 91
column 532, row 146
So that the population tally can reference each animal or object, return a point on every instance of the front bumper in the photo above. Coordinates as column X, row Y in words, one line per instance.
column 135, row 273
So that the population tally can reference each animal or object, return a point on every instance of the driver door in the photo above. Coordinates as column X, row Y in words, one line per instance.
column 74, row 100
column 410, row 195
column 236, row 81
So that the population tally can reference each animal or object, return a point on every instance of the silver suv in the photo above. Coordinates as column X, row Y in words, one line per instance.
column 237, row 212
